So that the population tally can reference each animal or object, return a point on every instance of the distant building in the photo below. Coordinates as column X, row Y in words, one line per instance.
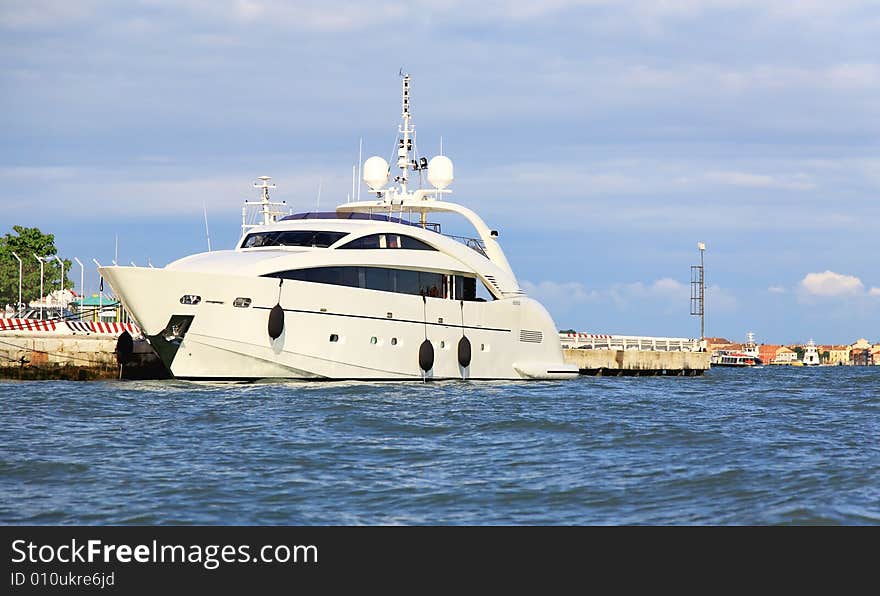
column 767, row 352
column 837, row 354
column 861, row 344
column 714, row 344
column 97, row 308
column 784, row 356
column 860, row 357
column 875, row 354
column 860, row 352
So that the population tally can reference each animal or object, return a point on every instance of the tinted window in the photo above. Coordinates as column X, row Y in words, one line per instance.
column 406, row 282
column 401, row 281
column 337, row 276
column 388, row 241
column 468, row 288
column 431, row 284
column 379, row 278
column 410, row 243
column 292, row 238
column 365, row 242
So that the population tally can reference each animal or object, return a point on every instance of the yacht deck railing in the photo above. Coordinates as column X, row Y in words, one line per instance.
column 592, row 341
column 472, row 243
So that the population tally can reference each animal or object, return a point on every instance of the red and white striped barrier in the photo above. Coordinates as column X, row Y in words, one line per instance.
column 104, row 328
column 67, row 327
column 26, row 325
column 587, row 336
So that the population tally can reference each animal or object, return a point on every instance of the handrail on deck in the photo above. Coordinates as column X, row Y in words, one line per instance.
column 593, row 341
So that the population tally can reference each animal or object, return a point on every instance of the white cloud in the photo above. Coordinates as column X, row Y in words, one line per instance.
column 42, row 13
column 556, row 292
column 662, row 292
column 720, row 299
column 830, row 284
column 655, row 308
column 776, row 289
column 874, row 291
column 797, row 181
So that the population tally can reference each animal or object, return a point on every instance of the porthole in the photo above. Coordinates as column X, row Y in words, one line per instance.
column 393, row 341
column 442, row 344
column 374, row 340
column 334, row 337
column 241, row 302
column 190, row 299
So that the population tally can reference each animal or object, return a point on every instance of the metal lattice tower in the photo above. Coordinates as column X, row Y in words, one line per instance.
column 698, row 292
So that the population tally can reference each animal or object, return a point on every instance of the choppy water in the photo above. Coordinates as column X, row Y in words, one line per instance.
column 761, row 446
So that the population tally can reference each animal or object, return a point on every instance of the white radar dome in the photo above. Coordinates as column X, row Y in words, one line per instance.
column 376, row 172
column 440, row 171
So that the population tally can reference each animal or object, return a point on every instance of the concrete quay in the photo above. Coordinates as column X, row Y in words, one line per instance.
column 604, row 362
column 77, row 357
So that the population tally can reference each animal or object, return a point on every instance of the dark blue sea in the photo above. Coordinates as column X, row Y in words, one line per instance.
column 775, row 445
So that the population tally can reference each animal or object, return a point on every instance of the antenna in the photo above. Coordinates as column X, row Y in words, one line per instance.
column 207, row 232
column 269, row 215
column 318, row 202
column 404, row 143
column 360, row 161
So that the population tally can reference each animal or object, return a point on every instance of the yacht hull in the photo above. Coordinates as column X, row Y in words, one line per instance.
column 330, row 332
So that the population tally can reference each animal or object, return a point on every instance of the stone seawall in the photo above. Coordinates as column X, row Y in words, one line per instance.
column 637, row 362
column 74, row 358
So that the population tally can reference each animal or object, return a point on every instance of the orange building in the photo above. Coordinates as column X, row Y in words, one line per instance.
column 767, row 352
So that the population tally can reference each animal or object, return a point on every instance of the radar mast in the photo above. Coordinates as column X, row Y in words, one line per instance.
column 269, row 215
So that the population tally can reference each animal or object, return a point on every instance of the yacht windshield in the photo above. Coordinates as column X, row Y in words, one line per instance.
column 292, row 238
column 388, row 241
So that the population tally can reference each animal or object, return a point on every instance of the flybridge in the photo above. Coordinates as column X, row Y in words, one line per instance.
column 400, row 200
column 396, row 200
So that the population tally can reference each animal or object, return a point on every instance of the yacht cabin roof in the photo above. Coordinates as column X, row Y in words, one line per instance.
column 449, row 256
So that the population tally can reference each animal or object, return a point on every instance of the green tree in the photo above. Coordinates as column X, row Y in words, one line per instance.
column 27, row 242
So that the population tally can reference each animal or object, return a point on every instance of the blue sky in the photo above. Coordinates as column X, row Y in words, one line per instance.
column 604, row 139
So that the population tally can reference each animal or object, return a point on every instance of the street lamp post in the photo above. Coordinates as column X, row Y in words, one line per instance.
column 100, row 294
column 82, row 287
column 61, row 292
column 40, row 259
column 18, row 306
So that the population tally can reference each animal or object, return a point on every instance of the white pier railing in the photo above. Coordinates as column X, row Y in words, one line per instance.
column 592, row 341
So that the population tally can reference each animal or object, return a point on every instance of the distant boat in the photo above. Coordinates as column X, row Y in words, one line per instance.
column 731, row 358
column 811, row 354
column 747, row 357
column 751, row 348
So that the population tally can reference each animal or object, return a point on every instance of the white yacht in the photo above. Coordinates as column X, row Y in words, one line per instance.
column 370, row 291
column 811, row 354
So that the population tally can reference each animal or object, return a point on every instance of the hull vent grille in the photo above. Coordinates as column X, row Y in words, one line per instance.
column 534, row 337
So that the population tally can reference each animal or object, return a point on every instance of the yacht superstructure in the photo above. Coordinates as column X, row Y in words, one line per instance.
column 358, row 293
column 811, row 354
